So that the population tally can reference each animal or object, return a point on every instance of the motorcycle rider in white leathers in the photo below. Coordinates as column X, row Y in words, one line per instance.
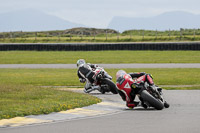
column 85, row 74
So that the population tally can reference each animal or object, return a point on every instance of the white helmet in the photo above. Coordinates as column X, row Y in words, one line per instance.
column 120, row 73
column 80, row 61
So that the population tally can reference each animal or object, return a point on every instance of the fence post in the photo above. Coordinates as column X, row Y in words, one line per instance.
column 47, row 35
column 156, row 33
column 138, row 32
column 180, row 33
column 35, row 35
column 106, row 35
column 3, row 36
column 118, row 36
column 143, row 34
column 11, row 35
column 20, row 34
column 81, row 35
column 94, row 35
column 59, row 36
column 14, row 35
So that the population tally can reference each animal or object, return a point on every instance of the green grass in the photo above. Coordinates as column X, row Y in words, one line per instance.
column 99, row 39
column 22, row 100
column 70, row 57
column 21, row 94
column 68, row 77
column 40, row 77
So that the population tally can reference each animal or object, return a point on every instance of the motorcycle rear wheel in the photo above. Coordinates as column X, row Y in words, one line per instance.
column 151, row 100
column 112, row 85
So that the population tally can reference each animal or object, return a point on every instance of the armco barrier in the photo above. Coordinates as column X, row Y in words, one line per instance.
column 100, row 46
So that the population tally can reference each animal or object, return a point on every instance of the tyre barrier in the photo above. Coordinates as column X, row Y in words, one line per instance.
column 100, row 46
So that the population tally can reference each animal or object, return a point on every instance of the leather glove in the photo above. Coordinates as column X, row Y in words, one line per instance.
column 82, row 80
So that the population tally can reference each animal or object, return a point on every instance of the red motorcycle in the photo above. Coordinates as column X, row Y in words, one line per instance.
column 151, row 98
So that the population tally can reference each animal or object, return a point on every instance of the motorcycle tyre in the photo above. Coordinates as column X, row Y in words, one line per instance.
column 151, row 100
column 166, row 105
column 112, row 85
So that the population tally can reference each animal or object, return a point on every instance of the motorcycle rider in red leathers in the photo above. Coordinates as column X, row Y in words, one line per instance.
column 128, row 95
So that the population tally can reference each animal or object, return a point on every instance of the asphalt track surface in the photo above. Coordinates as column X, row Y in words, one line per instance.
column 73, row 66
column 183, row 116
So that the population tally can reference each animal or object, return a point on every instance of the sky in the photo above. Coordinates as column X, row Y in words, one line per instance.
column 98, row 13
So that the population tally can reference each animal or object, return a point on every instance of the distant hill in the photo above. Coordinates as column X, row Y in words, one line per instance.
column 32, row 20
column 79, row 31
column 88, row 31
column 169, row 20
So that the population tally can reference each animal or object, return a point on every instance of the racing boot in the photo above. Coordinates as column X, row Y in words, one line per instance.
column 133, row 104
column 92, row 88
column 88, row 90
column 95, row 87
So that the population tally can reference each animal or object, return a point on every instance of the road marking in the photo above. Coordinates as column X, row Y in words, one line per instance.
column 20, row 121
column 81, row 111
column 111, row 104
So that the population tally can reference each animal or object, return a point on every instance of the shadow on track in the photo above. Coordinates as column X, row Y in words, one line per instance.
column 140, row 109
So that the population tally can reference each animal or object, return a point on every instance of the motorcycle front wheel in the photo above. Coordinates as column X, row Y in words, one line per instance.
column 151, row 100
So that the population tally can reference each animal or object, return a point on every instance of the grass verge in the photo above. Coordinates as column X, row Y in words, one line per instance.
column 106, row 57
column 22, row 100
column 68, row 77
